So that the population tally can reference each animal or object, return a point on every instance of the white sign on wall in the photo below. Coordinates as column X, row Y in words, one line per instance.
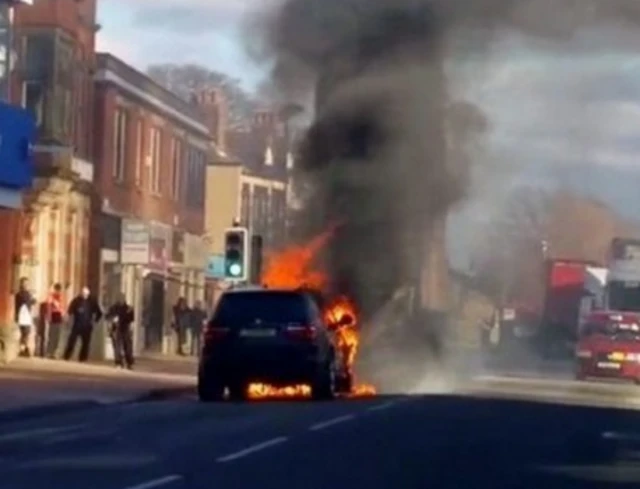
column 134, row 247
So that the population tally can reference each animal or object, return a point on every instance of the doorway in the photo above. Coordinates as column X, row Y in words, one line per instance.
column 153, row 299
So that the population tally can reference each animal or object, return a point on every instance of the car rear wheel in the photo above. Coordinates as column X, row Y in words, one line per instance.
column 344, row 383
column 238, row 391
column 324, row 386
column 210, row 390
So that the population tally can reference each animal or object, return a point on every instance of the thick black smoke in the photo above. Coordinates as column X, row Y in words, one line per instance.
column 376, row 158
column 383, row 155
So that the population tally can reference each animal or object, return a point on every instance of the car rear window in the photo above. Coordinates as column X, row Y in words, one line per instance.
column 242, row 309
column 614, row 330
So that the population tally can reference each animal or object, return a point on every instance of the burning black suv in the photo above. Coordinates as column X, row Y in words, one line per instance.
column 270, row 336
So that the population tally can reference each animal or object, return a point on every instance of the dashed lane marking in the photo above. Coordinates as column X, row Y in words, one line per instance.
column 252, row 449
column 382, row 406
column 39, row 432
column 330, row 422
column 162, row 481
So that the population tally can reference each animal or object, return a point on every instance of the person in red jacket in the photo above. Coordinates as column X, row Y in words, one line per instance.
column 56, row 337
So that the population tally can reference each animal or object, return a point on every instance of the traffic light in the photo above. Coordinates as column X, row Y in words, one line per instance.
column 236, row 253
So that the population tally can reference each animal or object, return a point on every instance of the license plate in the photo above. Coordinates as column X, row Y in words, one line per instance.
column 616, row 357
column 609, row 365
column 257, row 333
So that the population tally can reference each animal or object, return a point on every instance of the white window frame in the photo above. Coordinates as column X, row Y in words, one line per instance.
column 156, row 154
column 120, row 121
column 39, row 113
column 139, row 152
column 176, row 161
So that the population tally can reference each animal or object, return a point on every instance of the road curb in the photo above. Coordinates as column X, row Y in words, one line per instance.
column 568, row 386
column 46, row 409
column 63, row 407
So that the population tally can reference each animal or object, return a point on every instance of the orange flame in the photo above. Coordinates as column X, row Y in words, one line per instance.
column 294, row 267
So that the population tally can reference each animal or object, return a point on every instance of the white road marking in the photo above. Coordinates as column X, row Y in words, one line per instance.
column 252, row 449
column 330, row 422
column 382, row 406
column 162, row 481
column 39, row 432
column 614, row 435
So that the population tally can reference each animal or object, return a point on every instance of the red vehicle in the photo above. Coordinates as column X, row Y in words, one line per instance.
column 564, row 290
column 609, row 346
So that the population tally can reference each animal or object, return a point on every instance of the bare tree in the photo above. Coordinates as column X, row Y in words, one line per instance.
column 537, row 225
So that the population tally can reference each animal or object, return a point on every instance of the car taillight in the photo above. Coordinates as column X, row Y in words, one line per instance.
column 307, row 333
column 213, row 332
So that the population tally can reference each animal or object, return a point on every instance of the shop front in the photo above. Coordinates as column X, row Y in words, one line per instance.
column 17, row 133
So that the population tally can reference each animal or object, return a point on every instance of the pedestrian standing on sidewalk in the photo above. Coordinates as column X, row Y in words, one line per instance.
column 120, row 317
column 84, row 312
column 57, row 330
column 23, row 315
column 181, row 323
column 198, row 320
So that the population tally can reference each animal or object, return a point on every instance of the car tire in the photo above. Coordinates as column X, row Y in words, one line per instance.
column 344, row 383
column 238, row 391
column 324, row 386
column 210, row 390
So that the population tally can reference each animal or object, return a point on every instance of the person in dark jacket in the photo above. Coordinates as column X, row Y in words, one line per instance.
column 198, row 320
column 120, row 317
column 181, row 323
column 84, row 312
column 23, row 315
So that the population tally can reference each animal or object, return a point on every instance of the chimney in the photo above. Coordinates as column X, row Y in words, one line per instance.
column 213, row 104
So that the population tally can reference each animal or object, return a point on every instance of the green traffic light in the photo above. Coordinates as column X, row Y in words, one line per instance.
column 235, row 270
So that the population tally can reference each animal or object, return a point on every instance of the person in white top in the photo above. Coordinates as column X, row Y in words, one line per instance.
column 23, row 305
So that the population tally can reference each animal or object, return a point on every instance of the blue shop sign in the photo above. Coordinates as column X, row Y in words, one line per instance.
column 17, row 136
column 215, row 266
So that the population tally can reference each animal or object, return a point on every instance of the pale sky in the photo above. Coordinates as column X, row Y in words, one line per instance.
column 564, row 114
column 144, row 32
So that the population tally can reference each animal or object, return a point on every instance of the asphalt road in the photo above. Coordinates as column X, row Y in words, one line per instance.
column 60, row 383
column 436, row 441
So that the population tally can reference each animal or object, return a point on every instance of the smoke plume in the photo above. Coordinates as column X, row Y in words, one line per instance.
column 376, row 157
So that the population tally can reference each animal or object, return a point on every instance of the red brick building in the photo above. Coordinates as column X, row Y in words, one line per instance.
column 55, row 42
column 147, row 238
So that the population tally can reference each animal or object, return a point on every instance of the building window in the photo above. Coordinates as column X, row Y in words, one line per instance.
column 201, row 172
column 33, row 100
column 139, row 152
column 68, row 113
column 176, row 153
column 38, row 54
column 156, row 155
column 119, row 144
column 245, row 205
column 196, row 161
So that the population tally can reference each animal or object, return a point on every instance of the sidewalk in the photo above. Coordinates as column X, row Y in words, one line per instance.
column 170, row 364
column 36, row 381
